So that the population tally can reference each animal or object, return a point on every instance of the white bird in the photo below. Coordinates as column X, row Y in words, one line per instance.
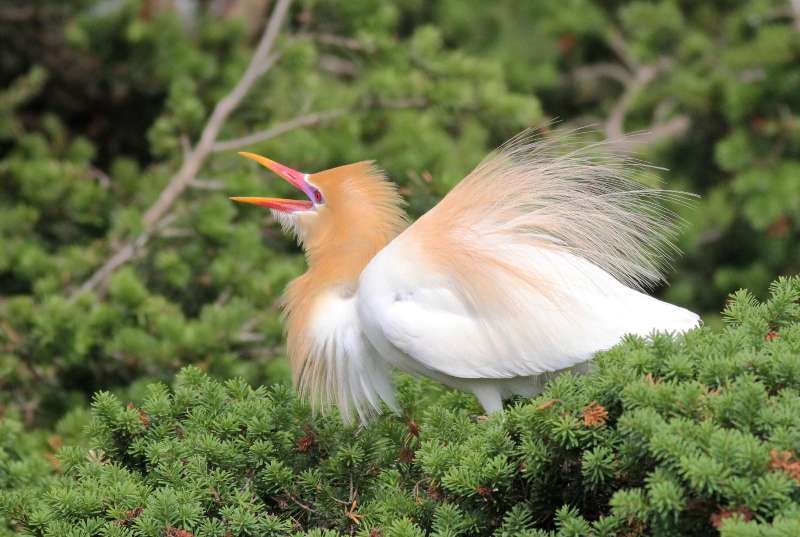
column 528, row 267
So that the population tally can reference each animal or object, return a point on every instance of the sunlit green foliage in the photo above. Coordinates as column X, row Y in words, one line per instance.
column 98, row 102
column 670, row 436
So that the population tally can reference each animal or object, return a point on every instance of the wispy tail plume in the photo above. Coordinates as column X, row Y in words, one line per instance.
column 564, row 193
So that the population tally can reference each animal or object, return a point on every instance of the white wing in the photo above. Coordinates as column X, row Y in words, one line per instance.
column 343, row 367
column 417, row 319
column 529, row 265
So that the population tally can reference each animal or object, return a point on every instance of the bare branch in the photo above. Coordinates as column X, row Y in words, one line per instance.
column 620, row 47
column 186, row 146
column 341, row 41
column 102, row 177
column 224, row 296
column 337, row 66
column 635, row 78
column 125, row 253
column 278, row 130
column 267, row 64
column 642, row 77
column 207, row 184
column 666, row 130
column 796, row 14
column 600, row 70
column 615, row 124
column 309, row 120
column 261, row 60
column 334, row 40
column 120, row 257
column 249, row 337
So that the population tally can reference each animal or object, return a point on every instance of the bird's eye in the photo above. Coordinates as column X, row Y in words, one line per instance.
column 317, row 196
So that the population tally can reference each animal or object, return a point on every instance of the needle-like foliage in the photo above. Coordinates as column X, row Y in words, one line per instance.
column 690, row 436
column 101, row 101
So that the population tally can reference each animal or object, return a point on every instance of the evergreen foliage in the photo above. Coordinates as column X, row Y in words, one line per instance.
column 695, row 435
column 101, row 101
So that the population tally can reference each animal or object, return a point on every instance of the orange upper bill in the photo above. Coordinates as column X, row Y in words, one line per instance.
column 293, row 177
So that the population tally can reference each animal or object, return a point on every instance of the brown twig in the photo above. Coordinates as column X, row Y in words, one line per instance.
column 278, row 130
column 334, row 40
column 207, row 184
column 263, row 58
column 665, row 130
column 330, row 63
column 309, row 120
column 102, row 177
column 599, row 70
column 641, row 77
column 620, row 47
column 301, row 504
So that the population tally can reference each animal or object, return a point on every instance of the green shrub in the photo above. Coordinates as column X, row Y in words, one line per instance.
column 669, row 436
column 96, row 98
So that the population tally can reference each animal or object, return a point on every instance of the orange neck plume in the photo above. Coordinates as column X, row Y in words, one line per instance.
column 362, row 214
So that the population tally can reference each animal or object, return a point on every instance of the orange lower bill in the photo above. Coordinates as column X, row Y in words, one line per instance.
column 279, row 204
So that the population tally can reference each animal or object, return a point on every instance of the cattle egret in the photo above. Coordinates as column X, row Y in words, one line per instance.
column 528, row 267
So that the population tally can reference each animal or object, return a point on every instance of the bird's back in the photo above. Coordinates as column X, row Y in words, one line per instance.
column 529, row 266
column 418, row 320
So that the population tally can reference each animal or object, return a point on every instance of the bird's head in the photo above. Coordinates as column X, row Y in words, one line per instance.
column 352, row 204
column 298, row 216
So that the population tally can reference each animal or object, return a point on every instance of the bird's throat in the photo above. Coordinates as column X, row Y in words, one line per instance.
column 363, row 214
column 333, row 268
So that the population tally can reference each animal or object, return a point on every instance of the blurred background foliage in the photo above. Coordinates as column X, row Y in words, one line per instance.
column 103, row 101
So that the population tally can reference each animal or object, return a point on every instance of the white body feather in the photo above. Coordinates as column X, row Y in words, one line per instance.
column 356, row 376
column 417, row 323
column 529, row 267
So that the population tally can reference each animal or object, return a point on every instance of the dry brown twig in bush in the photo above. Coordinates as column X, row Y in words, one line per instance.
column 194, row 157
column 262, row 60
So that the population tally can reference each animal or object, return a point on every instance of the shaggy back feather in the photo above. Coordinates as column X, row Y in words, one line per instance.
column 555, row 193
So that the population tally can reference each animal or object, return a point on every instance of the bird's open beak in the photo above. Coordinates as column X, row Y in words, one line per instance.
column 279, row 204
column 293, row 177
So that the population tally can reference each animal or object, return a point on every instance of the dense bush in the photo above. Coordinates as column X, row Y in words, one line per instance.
column 696, row 435
column 102, row 101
